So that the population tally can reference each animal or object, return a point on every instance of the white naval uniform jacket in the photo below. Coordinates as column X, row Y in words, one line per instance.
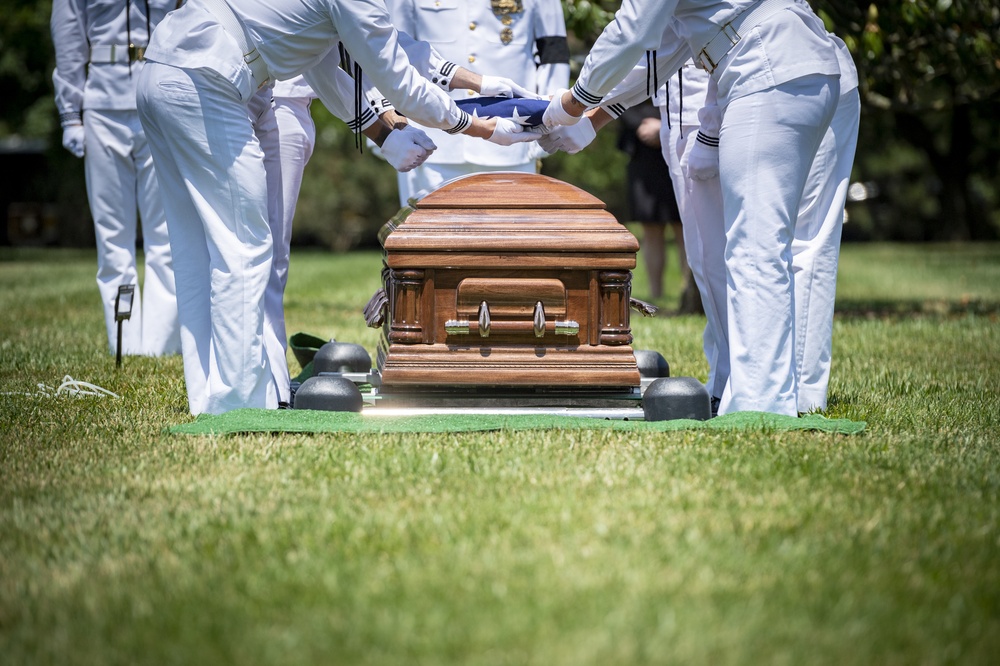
column 301, row 37
column 648, row 76
column 685, row 95
column 294, row 87
column 106, row 27
column 469, row 33
column 787, row 46
column 685, row 92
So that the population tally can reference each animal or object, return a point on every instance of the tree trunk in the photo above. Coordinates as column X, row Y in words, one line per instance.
column 962, row 216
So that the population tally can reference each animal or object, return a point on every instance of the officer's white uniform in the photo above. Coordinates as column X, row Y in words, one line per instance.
column 297, row 134
column 700, row 206
column 193, row 100
column 778, row 88
column 699, row 202
column 815, row 247
column 286, row 131
column 266, row 130
column 296, row 130
column 527, row 45
column 95, row 79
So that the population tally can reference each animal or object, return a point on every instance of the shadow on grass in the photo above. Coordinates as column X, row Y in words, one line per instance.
column 881, row 309
column 900, row 309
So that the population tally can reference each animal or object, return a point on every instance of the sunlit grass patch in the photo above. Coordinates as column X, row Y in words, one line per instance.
column 122, row 544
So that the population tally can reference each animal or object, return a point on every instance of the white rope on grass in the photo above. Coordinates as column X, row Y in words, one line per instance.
column 70, row 387
column 75, row 387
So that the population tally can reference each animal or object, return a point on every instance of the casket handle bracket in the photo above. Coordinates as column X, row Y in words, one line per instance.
column 485, row 325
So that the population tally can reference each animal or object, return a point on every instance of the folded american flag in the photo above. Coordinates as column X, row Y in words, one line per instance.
column 526, row 112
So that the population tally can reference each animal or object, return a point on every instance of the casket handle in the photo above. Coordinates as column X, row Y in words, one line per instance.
column 484, row 319
column 539, row 321
column 538, row 325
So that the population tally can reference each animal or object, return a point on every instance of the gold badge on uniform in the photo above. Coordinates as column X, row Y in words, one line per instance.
column 503, row 9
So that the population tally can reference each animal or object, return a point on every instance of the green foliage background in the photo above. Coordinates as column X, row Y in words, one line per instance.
column 929, row 151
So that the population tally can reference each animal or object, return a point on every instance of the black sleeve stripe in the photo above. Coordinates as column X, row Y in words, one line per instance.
column 463, row 123
column 710, row 141
column 366, row 116
column 552, row 50
column 587, row 98
column 442, row 77
column 616, row 110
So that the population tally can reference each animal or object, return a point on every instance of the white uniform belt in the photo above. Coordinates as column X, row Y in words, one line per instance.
column 735, row 29
column 221, row 10
column 104, row 54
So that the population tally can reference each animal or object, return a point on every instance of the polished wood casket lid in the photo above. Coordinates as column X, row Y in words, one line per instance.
column 508, row 212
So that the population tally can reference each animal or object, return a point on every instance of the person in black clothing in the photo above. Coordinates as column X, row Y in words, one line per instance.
column 650, row 191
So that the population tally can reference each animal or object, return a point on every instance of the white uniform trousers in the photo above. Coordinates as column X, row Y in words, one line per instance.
column 700, row 207
column 265, row 126
column 767, row 145
column 295, row 134
column 121, row 182
column 419, row 182
column 816, row 252
column 212, row 175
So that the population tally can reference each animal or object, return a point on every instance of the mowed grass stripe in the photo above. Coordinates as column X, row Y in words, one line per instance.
column 122, row 545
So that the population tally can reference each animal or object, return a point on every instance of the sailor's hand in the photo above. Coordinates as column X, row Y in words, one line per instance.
column 500, row 86
column 648, row 132
column 703, row 159
column 569, row 138
column 507, row 133
column 406, row 148
column 557, row 113
column 537, row 152
column 72, row 139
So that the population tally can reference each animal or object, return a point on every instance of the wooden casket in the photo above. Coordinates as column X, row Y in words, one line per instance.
column 507, row 281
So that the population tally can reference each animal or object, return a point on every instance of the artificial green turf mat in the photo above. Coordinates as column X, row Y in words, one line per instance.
column 305, row 420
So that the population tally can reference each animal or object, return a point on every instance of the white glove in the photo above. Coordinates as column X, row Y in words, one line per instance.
column 500, row 86
column 556, row 115
column 703, row 160
column 569, row 138
column 536, row 152
column 507, row 133
column 73, row 139
column 407, row 148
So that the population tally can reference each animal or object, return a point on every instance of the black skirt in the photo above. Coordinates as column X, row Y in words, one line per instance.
column 650, row 190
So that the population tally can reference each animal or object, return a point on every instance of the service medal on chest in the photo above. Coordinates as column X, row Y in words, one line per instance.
column 504, row 9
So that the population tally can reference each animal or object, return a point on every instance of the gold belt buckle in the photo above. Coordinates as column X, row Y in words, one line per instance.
column 730, row 32
column 136, row 52
column 706, row 60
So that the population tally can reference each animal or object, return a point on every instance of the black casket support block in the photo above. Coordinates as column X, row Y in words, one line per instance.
column 670, row 398
column 329, row 393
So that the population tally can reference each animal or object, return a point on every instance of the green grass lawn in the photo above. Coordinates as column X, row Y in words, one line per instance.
column 120, row 544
